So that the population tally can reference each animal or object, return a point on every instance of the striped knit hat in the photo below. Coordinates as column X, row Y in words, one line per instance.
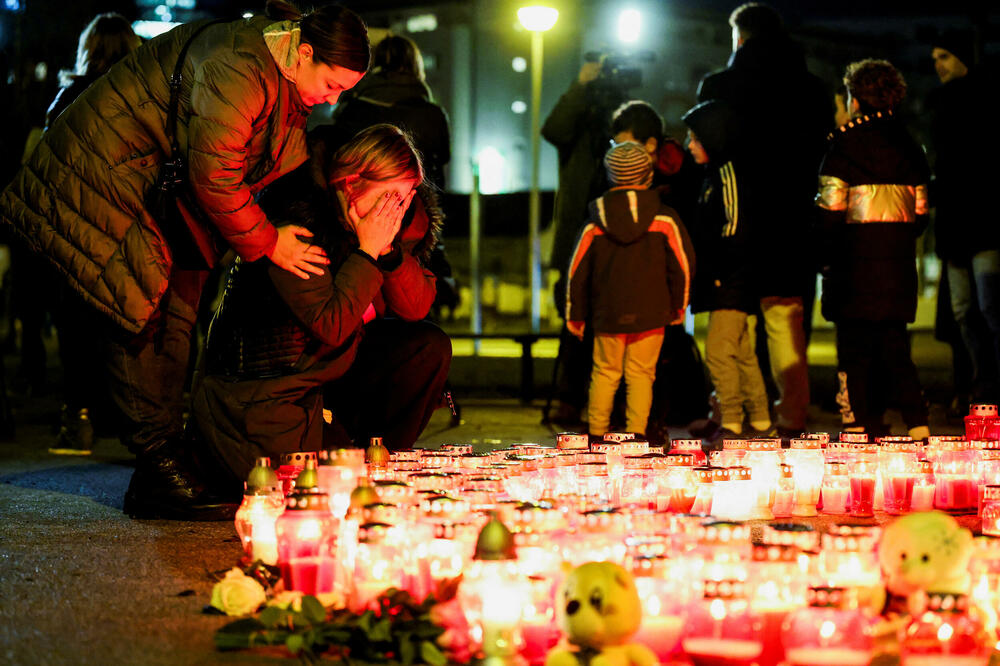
column 628, row 163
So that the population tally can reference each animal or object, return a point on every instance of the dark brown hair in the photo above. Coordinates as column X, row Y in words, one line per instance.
column 639, row 118
column 755, row 19
column 396, row 53
column 107, row 39
column 876, row 84
column 338, row 35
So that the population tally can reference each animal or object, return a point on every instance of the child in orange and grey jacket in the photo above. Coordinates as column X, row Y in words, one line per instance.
column 630, row 276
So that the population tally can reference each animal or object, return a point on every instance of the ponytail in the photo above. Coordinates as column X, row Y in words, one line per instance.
column 338, row 35
column 282, row 10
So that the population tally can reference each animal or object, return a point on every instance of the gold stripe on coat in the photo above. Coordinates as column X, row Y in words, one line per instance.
column 883, row 203
column 832, row 193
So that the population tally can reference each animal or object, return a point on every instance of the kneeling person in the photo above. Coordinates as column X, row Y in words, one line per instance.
column 278, row 343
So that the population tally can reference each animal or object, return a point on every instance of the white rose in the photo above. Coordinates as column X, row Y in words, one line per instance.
column 237, row 594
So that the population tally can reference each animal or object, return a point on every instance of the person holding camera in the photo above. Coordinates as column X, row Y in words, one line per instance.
column 236, row 118
column 579, row 126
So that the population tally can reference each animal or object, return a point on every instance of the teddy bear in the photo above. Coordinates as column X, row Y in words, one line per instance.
column 599, row 610
column 925, row 552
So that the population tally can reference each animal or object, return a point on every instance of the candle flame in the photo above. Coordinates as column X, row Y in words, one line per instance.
column 309, row 530
column 827, row 629
column 717, row 609
column 945, row 632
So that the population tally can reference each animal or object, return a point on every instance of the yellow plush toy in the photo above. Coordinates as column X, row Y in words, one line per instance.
column 599, row 610
column 925, row 552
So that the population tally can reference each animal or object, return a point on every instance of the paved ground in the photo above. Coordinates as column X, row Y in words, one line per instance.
column 80, row 583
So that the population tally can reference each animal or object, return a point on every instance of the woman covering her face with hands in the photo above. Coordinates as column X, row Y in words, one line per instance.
column 351, row 340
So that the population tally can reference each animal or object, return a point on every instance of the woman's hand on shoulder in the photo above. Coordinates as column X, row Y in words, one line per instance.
column 377, row 229
column 295, row 255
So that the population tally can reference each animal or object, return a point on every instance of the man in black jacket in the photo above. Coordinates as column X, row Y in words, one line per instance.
column 780, row 153
column 967, row 237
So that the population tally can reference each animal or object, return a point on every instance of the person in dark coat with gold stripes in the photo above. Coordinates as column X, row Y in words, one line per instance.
column 873, row 207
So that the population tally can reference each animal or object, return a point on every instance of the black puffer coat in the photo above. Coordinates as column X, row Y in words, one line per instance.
column 402, row 100
column 965, row 145
column 873, row 207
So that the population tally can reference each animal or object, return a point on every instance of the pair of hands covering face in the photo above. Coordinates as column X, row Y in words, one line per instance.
column 375, row 231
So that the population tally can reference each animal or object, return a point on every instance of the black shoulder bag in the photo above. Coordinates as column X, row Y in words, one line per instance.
column 169, row 199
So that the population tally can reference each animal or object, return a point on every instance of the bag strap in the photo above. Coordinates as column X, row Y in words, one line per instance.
column 175, row 88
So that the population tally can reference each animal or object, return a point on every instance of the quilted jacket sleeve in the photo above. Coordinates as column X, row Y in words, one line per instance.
column 228, row 95
column 331, row 306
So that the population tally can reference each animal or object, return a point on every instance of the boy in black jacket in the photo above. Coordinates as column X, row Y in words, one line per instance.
column 723, row 286
column 630, row 276
column 873, row 207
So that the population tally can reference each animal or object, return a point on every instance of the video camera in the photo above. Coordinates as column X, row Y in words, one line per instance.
column 618, row 70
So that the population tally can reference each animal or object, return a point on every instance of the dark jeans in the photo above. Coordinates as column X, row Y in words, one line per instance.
column 975, row 300
column 876, row 371
column 146, row 372
column 394, row 384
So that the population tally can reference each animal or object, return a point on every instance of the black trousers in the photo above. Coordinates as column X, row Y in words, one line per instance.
column 876, row 371
column 394, row 384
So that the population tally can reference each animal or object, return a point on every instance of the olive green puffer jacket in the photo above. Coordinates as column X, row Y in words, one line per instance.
column 79, row 199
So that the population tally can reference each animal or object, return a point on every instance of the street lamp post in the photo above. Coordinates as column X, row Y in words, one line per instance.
column 537, row 20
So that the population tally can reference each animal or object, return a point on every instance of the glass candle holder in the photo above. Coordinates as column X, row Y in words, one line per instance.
column 692, row 446
column 721, row 627
column 678, row 486
column 948, row 633
column 292, row 464
column 924, row 487
column 262, row 503
column 573, row 441
column 307, row 542
column 378, row 566
column 991, row 511
column 898, row 473
column 764, row 460
column 848, row 559
column 830, row 631
column 836, row 489
column 776, row 588
column 704, row 477
column 984, row 569
column 734, row 496
column 784, row 495
column 732, row 453
column 987, row 469
column 538, row 621
column 663, row 605
column 806, row 458
column 337, row 474
column 982, row 423
column 862, row 478
column 955, row 489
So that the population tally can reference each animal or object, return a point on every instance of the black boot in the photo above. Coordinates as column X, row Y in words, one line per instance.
column 163, row 487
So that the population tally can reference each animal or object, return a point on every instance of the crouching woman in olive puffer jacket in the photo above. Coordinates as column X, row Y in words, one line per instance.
column 245, row 92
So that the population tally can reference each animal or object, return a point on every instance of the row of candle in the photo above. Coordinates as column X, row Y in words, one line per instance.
column 417, row 535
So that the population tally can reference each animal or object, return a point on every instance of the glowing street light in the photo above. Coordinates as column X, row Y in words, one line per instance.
column 629, row 22
column 536, row 19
